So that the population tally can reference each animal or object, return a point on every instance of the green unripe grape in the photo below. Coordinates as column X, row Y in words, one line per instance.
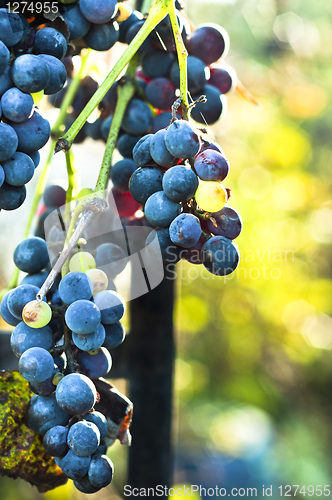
column 37, row 315
column 211, row 196
column 99, row 280
column 57, row 377
column 81, row 262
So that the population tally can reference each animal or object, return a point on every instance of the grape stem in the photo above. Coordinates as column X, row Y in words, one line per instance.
column 158, row 11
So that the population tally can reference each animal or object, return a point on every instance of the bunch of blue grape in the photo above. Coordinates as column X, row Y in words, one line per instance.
column 62, row 408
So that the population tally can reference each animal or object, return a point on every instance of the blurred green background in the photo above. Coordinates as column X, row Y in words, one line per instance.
column 253, row 369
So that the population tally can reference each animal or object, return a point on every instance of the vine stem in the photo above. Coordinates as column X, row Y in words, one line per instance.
column 182, row 57
column 158, row 11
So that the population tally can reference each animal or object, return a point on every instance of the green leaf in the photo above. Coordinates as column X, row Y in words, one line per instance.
column 21, row 450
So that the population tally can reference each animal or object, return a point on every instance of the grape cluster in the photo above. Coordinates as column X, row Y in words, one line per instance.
column 62, row 408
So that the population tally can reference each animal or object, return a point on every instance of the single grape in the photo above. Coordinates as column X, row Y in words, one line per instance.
column 209, row 43
column 229, row 223
column 213, row 109
column 196, row 74
column 11, row 197
column 141, row 151
column 95, row 365
column 220, row 256
column 159, row 245
column 157, row 63
column 211, row 196
column 84, row 484
column 112, row 258
column 91, row 341
column 54, row 196
column 224, row 79
column 82, row 262
column 83, row 438
column 6, row 314
column 55, row 441
column 35, row 157
column 160, row 210
column 31, row 255
column 111, row 305
column 16, row 105
column 180, row 183
column 23, row 337
column 76, row 394
column 211, row 166
column 99, row 280
column 126, row 144
column 32, row 134
column 101, row 37
column 185, row 230
column 115, row 335
column 73, row 466
column 99, row 420
column 77, row 24
column 11, row 28
column 75, row 286
column 121, row 172
column 58, row 74
column 161, row 121
column 19, row 297
column 138, row 117
column 125, row 25
column 100, row 471
column 8, row 141
column 159, row 151
column 182, row 140
column 37, row 315
column 50, row 41
column 160, row 92
column 193, row 254
column 83, row 317
column 43, row 413
column 19, row 169
column 98, row 11
column 30, row 73
column 36, row 364
column 144, row 182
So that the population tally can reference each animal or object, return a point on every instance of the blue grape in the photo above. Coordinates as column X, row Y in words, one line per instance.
column 111, row 305
column 102, row 448
column 8, row 141
column 55, row 441
column 208, row 43
column 211, row 166
column 36, row 364
column 23, row 337
column 220, row 256
column 4, row 56
column 75, row 286
column 159, row 243
column 196, row 74
column 185, row 230
column 111, row 258
column 229, row 223
column 98, row 11
column 6, row 314
column 160, row 210
column 83, row 438
column 22, row 45
column 144, row 182
column 211, row 111
column 138, row 117
column 54, row 196
column 6, row 81
column 182, row 140
column 73, row 466
column 121, row 172
column 161, row 121
column 19, row 169
column 2, row 175
column 82, row 317
column 19, row 297
column 85, row 486
column 30, row 73
column 126, row 144
column 77, row 24
column 31, row 255
column 45, row 388
column 11, row 197
column 32, row 134
column 180, row 183
column 106, row 127
column 102, row 37
column 93, row 129
column 141, row 151
column 58, row 74
column 50, row 41
column 99, row 420
column 210, row 145
column 100, row 471
column 159, row 151
column 95, row 365
column 115, row 335
column 160, row 92
column 43, row 413
column 11, row 28
column 92, row 341
column 125, row 25
column 76, row 394
column 36, row 279
column 157, row 63
column 35, row 157
column 17, row 106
